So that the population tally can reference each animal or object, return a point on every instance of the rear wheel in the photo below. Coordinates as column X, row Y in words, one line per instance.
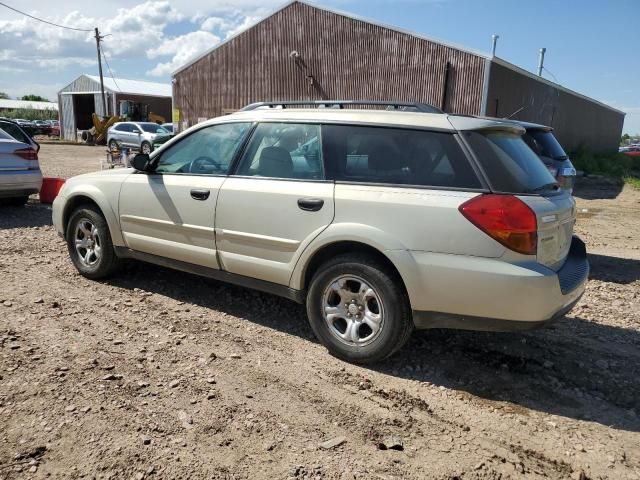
column 358, row 309
column 113, row 144
column 145, row 148
column 89, row 243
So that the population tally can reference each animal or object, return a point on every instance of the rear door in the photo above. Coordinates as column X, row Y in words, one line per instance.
column 275, row 204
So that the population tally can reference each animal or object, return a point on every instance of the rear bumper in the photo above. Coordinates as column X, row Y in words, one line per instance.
column 20, row 183
column 516, row 297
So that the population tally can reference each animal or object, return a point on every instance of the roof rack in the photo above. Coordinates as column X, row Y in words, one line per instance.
column 340, row 104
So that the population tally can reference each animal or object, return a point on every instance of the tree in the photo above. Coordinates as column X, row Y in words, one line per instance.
column 34, row 98
column 4, row 96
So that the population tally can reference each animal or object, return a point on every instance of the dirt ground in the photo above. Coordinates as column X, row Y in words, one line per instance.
column 160, row 374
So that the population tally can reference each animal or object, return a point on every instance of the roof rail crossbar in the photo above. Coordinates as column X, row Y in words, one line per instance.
column 390, row 104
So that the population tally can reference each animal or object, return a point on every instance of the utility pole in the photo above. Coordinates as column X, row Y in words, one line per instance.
column 541, row 61
column 494, row 39
column 104, row 102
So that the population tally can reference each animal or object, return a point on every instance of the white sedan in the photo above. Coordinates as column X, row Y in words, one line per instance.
column 20, row 174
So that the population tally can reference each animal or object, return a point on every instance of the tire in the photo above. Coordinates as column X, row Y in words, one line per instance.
column 95, row 259
column 113, row 144
column 145, row 147
column 386, row 304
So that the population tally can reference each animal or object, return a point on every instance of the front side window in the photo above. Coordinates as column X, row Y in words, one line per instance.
column 209, row 150
column 396, row 156
column 283, row 150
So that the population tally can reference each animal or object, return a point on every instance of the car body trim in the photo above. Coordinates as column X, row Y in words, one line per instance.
column 297, row 296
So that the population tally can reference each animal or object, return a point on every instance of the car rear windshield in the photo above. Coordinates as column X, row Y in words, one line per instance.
column 544, row 143
column 510, row 165
column 396, row 156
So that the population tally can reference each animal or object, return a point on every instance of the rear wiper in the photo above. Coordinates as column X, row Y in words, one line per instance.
column 552, row 185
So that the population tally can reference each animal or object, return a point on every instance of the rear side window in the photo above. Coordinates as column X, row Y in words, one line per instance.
column 511, row 166
column 283, row 150
column 15, row 131
column 396, row 156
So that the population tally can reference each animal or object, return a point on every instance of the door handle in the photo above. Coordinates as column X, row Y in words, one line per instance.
column 197, row 194
column 310, row 204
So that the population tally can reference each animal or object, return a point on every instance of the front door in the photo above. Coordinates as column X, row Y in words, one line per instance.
column 171, row 212
column 275, row 204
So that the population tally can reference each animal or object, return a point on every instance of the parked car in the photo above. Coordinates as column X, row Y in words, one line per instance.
column 27, row 125
column 55, row 128
column 20, row 174
column 169, row 127
column 42, row 127
column 379, row 221
column 18, row 133
column 139, row 135
column 541, row 140
column 631, row 151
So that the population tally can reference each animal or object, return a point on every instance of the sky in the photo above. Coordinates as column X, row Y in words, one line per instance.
column 592, row 45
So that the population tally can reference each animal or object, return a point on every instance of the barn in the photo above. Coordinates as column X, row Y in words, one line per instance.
column 306, row 52
column 82, row 97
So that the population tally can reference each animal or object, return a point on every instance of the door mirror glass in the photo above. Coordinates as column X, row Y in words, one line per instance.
column 141, row 162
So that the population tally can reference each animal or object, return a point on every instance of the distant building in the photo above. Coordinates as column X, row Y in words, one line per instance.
column 82, row 97
column 304, row 52
column 10, row 105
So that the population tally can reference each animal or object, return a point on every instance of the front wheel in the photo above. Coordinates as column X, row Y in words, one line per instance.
column 358, row 309
column 145, row 148
column 89, row 243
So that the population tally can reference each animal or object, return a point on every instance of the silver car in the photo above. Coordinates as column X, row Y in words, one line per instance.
column 379, row 221
column 20, row 174
column 138, row 135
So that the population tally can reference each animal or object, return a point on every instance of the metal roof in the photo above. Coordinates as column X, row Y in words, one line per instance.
column 14, row 104
column 134, row 87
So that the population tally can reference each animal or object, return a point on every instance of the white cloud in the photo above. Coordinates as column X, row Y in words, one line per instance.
column 182, row 49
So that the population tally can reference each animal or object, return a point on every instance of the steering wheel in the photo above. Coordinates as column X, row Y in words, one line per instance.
column 203, row 164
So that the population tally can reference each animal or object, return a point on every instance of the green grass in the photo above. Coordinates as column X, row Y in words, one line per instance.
column 632, row 180
column 616, row 165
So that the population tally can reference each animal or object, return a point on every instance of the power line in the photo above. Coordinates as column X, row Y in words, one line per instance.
column 45, row 21
column 110, row 72
column 549, row 72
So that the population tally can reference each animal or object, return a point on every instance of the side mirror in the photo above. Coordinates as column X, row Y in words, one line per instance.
column 141, row 162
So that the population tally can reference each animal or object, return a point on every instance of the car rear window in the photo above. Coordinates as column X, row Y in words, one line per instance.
column 544, row 143
column 510, row 165
column 396, row 156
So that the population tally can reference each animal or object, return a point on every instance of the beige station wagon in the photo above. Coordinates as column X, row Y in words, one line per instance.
column 381, row 221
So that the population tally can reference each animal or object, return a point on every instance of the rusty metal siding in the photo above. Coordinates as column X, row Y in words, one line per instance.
column 577, row 121
column 340, row 58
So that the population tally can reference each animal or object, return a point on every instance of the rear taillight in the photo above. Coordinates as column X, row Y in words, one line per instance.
column 504, row 218
column 27, row 153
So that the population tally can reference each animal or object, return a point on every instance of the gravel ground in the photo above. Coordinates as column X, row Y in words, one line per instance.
column 159, row 374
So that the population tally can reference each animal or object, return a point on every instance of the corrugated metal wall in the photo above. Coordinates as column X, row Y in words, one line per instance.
column 68, row 121
column 577, row 121
column 82, row 84
column 340, row 58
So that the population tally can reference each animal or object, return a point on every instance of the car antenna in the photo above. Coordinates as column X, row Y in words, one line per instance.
column 515, row 113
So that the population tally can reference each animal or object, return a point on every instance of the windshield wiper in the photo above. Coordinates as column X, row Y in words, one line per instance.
column 551, row 185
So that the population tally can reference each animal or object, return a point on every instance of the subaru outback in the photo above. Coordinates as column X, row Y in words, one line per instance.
column 379, row 221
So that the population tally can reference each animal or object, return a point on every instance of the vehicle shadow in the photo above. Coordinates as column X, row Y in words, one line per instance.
column 574, row 368
column 31, row 215
column 596, row 188
column 614, row 269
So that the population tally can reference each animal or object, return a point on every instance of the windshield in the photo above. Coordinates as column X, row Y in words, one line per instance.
column 152, row 128
column 511, row 166
column 544, row 144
